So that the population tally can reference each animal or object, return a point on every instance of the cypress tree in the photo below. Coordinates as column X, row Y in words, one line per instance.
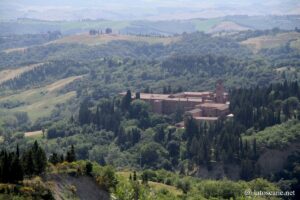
column 39, row 159
column 126, row 101
column 71, row 156
column 28, row 164
column 54, row 159
column 16, row 170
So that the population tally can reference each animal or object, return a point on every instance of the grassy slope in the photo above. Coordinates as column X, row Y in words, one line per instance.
column 270, row 41
column 206, row 24
column 40, row 102
column 9, row 74
column 227, row 26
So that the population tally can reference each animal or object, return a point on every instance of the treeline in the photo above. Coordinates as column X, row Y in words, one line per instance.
column 14, row 165
column 70, row 156
column 265, row 106
column 110, row 113
column 244, row 35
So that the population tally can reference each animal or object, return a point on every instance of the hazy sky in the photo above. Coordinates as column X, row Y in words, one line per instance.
column 142, row 9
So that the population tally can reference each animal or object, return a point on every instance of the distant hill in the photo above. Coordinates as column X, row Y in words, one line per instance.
column 163, row 27
column 272, row 41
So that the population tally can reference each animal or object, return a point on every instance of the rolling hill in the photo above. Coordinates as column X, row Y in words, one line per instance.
column 106, row 38
column 163, row 27
column 272, row 41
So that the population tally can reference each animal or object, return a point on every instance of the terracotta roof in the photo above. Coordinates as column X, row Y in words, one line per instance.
column 197, row 110
column 206, row 118
column 146, row 96
column 218, row 106
column 154, row 96
column 198, row 93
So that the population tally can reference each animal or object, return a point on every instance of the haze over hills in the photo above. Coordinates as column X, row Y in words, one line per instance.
column 142, row 9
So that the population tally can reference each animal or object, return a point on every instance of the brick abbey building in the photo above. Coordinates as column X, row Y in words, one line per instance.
column 203, row 106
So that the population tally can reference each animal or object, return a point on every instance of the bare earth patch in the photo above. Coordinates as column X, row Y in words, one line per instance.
column 68, row 187
column 33, row 134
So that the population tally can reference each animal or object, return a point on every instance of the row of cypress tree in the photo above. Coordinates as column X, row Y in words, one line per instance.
column 14, row 166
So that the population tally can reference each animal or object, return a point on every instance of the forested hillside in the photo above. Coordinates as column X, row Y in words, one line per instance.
column 61, row 102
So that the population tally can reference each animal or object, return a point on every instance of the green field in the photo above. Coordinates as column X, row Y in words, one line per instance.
column 40, row 102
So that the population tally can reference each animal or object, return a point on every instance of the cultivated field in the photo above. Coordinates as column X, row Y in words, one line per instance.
column 228, row 26
column 265, row 42
column 40, row 102
column 9, row 74
column 105, row 38
column 20, row 49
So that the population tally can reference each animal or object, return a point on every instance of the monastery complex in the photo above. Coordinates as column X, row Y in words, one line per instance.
column 202, row 106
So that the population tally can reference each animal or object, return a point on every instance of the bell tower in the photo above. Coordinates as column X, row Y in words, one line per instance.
column 220, row 92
